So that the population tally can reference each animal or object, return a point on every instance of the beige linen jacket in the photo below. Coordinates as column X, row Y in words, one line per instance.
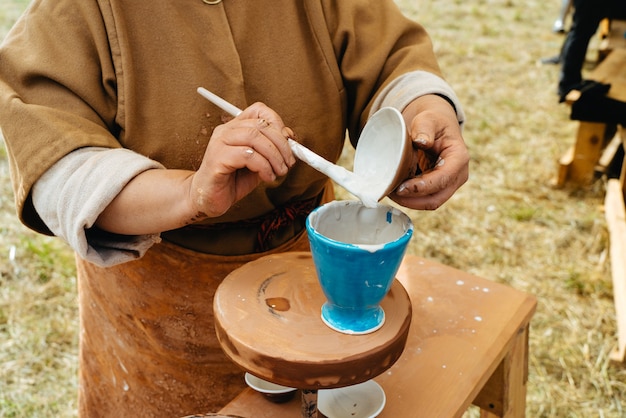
column 124, row 74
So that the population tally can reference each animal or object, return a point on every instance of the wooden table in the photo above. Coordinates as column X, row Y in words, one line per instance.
column 467, row 343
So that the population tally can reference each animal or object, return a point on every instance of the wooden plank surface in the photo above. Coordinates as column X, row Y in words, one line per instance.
column 585, row 154
column 616, row 221
column 621, row 131
column 608, row 154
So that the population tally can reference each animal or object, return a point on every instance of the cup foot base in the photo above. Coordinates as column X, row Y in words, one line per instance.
column 354, row 322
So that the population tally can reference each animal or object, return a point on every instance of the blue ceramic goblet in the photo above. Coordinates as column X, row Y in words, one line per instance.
column 357, row 251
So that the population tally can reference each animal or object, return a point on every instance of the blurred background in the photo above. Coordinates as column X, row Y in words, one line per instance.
column 508, row 224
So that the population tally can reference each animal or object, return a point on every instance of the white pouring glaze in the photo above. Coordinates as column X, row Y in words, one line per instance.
column 353, row 183
column 383, row 153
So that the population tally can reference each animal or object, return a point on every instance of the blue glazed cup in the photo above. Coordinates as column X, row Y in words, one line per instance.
column 357, row 251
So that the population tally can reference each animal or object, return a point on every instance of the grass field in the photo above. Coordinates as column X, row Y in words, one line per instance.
column 507, row 224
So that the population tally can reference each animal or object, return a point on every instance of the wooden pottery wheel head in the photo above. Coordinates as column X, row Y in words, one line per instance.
column 267, row 319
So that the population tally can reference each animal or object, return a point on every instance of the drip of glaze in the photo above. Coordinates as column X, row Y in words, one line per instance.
column 278, row 304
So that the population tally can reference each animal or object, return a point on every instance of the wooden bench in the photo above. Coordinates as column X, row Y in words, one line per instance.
column 595, row 146
column 616, row 222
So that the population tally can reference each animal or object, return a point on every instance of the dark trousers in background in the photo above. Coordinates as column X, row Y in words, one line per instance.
column 585, row 21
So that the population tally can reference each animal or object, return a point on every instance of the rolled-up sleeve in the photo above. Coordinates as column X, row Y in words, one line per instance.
column 408, row 87
column 71, row 195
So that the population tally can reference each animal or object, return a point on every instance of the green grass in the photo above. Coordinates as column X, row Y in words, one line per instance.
column 507, row 224
column 38, row 310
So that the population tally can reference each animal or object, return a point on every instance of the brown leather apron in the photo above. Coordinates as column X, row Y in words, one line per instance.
column 147, row 341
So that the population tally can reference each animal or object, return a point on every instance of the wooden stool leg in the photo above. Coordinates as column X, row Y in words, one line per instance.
column 504, row 394
column 578, row 164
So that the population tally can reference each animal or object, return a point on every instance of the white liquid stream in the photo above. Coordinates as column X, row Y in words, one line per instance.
column 368, row 190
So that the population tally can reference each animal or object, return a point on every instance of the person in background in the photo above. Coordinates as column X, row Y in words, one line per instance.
column 587, row 17
column 161, row 194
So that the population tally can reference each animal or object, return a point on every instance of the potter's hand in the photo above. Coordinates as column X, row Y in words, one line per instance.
column 440, row 154
column 242, row 153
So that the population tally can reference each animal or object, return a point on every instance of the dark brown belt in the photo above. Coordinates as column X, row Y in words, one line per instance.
column 269, row 224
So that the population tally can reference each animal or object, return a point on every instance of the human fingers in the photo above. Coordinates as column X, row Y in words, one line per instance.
column 244, row 144
column 227, row 174
column 432, row 189
column 256, row 135
column 274, row 128
column 441, row 157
